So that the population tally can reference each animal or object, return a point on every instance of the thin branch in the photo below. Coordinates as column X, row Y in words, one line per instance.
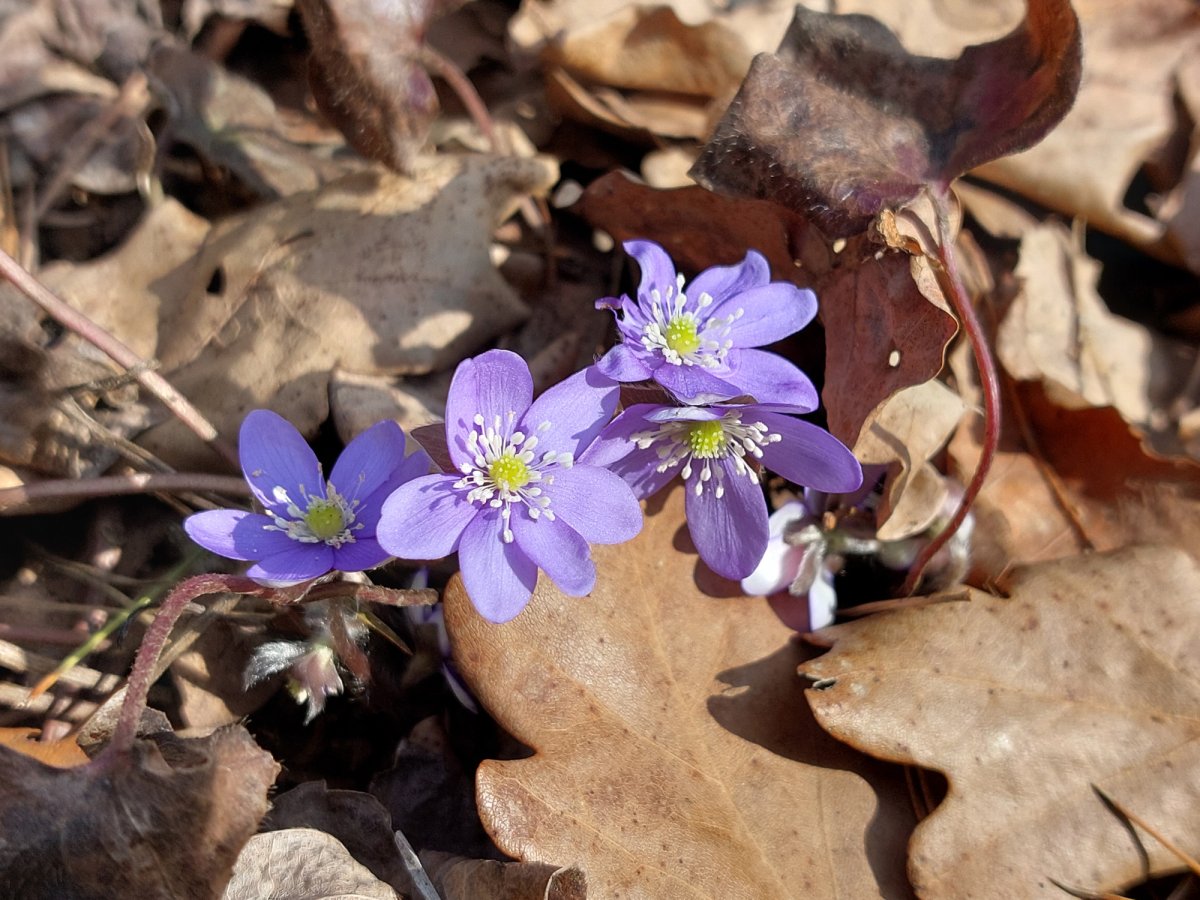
column 118, row 351
column 115, row 485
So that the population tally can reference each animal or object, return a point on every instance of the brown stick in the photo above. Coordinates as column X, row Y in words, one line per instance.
column 114, row 485
column 119, row 352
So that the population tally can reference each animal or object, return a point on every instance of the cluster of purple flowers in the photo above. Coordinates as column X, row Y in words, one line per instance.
column 536, row 481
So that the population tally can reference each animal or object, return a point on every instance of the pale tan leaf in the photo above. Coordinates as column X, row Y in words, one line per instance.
column 673, row 754
column 302, row 864
column 1086, row 674
column 458, row 878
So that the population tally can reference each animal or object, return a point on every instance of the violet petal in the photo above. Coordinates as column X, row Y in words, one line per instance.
column 596, row 503
column 720, row 282
column 768, row 313
column 298, row 563
column 769, row 378
column 275, row 457
column 577, row 409
column 624, row 363
column 424, row 518
column 369, row 461
column 364, row 553
column 658, row 272
column 495, row 384
column 558, row 550
column 781, row 561
column 499, row 577
column 694, row 384
column 808, row 455
column 235, row 534
column 730, row 533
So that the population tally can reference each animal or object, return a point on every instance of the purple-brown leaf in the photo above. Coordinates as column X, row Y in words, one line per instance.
column 843, row 122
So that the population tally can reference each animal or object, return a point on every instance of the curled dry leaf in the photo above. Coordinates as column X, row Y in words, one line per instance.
column 457, row 878
column 1087, row 674
column 302, row 864
column 167, row 823
column 366, row 75
column 907, row 430
column 376, row 273
column 672, row 755
column 1059, row 331
column 842, row 122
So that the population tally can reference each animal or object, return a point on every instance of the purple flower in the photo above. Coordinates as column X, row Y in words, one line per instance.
column 518, row 503
column 717, row 450
column 310, row 527
column 792, row 572
column 699, row 343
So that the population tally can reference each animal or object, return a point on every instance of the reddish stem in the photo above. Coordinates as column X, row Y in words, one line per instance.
column 137, row 689
column 952, row 285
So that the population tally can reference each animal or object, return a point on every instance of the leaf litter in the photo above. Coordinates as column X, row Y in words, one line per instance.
column 322, row 209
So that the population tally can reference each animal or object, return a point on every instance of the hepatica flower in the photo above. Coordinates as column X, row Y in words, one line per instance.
column 309, row 526
column 518, row 501
column 718, row 451
column 699, row 341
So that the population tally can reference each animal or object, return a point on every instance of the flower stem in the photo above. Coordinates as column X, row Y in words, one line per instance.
column 137, row 689
column 951, row 284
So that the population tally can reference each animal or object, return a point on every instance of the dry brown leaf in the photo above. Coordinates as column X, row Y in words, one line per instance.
column 1137, row 57
column 210, row 678
column 458, row 878
column 123, row 290
column 302, row 864
column 1087, row 674
column 908, row 429
column 1059, row 331
column 672, row 757
column 375, row 273
column 62, row 754
column 168, row 823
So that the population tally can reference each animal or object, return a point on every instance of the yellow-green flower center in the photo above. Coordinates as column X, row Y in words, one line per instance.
column 509, row 473
column 706, row 440
column 682, row 336
column 324, row 519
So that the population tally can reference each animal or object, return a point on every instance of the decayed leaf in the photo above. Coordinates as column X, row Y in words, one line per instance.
column 61, row 754
column 908, row 430
column 169, row 823
column 301, row 864
column 672, row 757
column 457, row 878
column 375, row 273
column 366, row 75
column 842, row 122
column 1087, row 674
column 886, row 328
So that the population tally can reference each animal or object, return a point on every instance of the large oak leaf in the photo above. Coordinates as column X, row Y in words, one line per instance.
column 1086, row 675
column 673, row 757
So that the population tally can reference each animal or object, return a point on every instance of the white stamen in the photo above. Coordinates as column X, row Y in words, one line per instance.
column 739, row 440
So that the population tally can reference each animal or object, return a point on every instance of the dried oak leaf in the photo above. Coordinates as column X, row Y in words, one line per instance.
column 366, row 75
column 673, row 757
column 168, row 823
column 375, row 273
column 842, row 122
column 1086, row 675
column 458, row 878
column 302, row 864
